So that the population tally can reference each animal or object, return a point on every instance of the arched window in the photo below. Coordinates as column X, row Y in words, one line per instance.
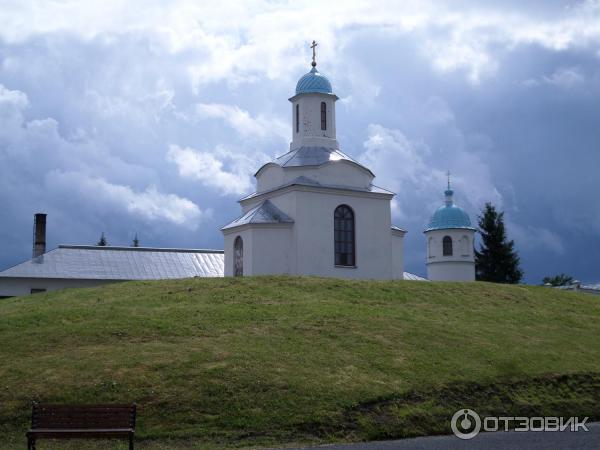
column 344, row 236
column 238, row 257
column 297, row 118
column 447, row 244
column 323, row 116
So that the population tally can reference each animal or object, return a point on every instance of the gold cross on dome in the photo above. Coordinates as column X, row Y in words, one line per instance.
column 314, row 46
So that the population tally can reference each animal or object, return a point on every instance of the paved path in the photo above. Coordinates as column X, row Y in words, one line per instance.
column 511, row 440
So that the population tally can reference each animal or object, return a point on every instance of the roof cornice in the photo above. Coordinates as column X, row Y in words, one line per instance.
column 138, row 249
column 247, row 226
column 320, row 189
column 295, row 97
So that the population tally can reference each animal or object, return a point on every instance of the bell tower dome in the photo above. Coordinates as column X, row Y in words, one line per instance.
column 313, row 110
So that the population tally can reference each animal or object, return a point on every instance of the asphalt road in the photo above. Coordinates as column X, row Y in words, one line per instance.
column 509, row 440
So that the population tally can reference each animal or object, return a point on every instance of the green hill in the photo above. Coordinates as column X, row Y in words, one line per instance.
column 280, row 360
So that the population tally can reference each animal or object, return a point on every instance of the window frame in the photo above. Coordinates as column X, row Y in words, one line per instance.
column 323, row 116
column 447, row 246
column 238, row 257
column 346, row 258
column 297, row 118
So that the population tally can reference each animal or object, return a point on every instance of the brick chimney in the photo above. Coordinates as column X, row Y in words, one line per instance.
column 39, row 235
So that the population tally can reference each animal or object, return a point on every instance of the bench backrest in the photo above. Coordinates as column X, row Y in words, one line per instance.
column 82, row 416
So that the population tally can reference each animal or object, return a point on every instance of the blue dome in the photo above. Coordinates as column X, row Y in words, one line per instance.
column 313, row 81
column 449, row 216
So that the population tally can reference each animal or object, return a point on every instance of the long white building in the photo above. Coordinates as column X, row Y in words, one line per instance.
column 89, row 265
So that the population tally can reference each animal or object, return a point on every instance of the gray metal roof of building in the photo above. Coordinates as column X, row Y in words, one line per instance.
column 413, row 277
column 592, row 288
column 395, row 228
column 126, row 263
column 305, row 181
column 120, row 263
column 313, row 156
column 264, row 213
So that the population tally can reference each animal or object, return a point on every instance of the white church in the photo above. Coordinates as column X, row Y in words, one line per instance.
column 315, row 211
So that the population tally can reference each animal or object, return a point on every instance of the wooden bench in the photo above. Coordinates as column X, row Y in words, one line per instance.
column 81, row 422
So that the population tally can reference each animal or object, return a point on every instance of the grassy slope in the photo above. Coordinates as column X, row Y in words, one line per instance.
column 263, row 361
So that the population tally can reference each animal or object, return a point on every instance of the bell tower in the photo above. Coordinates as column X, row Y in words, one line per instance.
column 450, row 242
column 313, row 110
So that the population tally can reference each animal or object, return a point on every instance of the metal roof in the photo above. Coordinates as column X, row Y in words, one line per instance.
column 313, row 156
column 413, row 277
column 313, row 81
column 120, row 263
column 305, row 181
column 264, row 213
column 449, row 216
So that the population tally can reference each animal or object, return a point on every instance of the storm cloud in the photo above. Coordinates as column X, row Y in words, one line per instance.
column 151, row 117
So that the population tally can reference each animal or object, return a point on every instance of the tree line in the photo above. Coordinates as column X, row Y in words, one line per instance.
column 103, row 242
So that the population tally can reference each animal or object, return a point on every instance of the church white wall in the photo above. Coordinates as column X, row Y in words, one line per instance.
column 14, row 286
column 397, row 255
column 339, row 173
column 229, row 238
column 273, row 250
column 313, row 232
column 268, row 250
column 451, row 271
column 458, row 267
column 310, row 119
column 311, row 243
column 270, row 177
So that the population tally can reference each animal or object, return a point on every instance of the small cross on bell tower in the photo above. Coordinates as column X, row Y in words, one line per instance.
column 314, row 47
column 449, row 192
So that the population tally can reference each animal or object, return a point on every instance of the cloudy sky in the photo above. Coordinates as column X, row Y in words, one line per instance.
column 151, row 116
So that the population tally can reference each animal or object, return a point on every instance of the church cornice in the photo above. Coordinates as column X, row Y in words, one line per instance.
column 453, row 261
column 248, row 226
column 339, row 190
column 306, row 94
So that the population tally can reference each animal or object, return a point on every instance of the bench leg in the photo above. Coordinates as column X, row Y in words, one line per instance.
column 130, row 442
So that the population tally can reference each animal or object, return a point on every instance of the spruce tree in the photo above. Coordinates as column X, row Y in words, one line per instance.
column 136, row 241
column 102, row 242
column 496, row 261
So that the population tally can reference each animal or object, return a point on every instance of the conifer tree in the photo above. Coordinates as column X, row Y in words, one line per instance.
column 102, row 242
column 136, row 241
column 496, row 261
